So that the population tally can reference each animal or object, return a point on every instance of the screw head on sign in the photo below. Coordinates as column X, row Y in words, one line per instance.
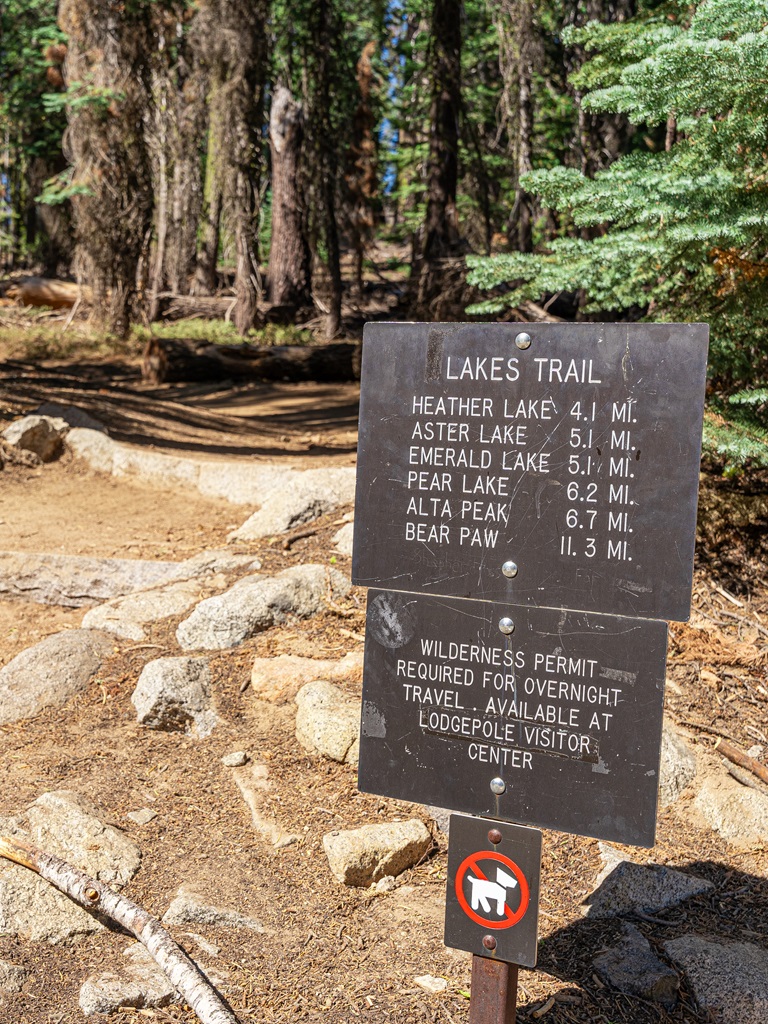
column 489, row 942
column 523, row 340
column 506, row 625
column 509, row 569
column 498, row 786
column 494, row 836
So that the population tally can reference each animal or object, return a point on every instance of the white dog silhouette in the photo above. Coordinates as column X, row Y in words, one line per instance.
column 485, row 892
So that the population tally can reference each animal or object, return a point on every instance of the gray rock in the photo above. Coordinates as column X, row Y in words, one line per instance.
column 364, row 855
column 328, row 722
column 12, row 977
column 142, row 816
column 174, row 695
column 235, row 760
column 71, row 415
column 729, row 979
column 94, row 447
column 626, row 887
column 279, row 679
column 441, row 818
column 678, row 766
column 257, row 602
column 75, row 582
column 42, row 435
column 342, row 539
column 632, row 967
column 127, row 616
column 138, row 984
column 738, row 813
column 241, row 484
column 189, row 907
column 51, row 672
column 208, row 563
column 70, row 826
column 430, row 984
column 255, row 787
column 67, row 825
column 31, row 909
column 298, row 498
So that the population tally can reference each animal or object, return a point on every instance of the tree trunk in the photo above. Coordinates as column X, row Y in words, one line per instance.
column 207, row 257
column 325, row 44
column 108, row 47
column 441, row 228
column 289, row 256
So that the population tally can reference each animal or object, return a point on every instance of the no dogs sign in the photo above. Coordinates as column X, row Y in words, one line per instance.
column 493, row 889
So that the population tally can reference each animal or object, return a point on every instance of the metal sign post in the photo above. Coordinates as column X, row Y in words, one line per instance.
column 525, row 512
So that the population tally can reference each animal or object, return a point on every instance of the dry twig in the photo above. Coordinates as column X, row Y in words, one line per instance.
column 94, row 897
column 742, row 759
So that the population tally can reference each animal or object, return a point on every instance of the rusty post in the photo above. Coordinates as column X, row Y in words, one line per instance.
column 493, row 997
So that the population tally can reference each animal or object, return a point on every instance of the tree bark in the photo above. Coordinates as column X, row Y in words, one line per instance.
column 108, row 47
column 289, row 271
column 441, row 239
column 208, row 254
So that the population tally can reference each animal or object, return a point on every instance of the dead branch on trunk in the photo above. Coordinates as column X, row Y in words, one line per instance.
column 95, row 897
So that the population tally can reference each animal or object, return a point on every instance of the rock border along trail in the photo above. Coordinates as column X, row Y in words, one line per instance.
column 195, row 742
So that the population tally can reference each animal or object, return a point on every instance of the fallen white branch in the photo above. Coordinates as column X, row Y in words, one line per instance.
column 94, row 896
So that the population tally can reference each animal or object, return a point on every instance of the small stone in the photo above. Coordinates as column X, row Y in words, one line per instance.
column 189, row 907
column 207, row 947
column 342, row 539
column 139, row 984
column 441, row 818
column 142, row 817
column 279, row 679
column 174, row 695
column 327, row 722
column 385, row 884
column 434, row 986
column 364, row 855
column 235, row 760
column 729, row 980
column 737, row 813
column 42, row 435
column 12, row 977
column 632, row 967
column 50, row 672
column 755, row 751
column 625, row 887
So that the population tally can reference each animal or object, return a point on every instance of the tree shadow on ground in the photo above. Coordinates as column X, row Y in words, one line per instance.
column 735, row 909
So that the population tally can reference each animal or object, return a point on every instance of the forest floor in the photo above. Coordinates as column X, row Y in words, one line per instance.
column 328, row 953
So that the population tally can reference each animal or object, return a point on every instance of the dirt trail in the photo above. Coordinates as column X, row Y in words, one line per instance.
column 329, row 954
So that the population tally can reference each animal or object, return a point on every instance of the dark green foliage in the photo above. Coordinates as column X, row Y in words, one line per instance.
column 678, row 233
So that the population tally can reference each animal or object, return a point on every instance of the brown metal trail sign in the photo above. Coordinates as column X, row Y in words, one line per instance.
column 525, row 512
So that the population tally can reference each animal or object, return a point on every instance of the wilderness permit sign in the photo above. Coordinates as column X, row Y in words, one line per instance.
column 550, row 465
column 535, row 715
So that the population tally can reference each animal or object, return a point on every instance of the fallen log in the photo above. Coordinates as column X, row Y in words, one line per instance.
column 177, row 361
column 95, row 897
column 44, row 291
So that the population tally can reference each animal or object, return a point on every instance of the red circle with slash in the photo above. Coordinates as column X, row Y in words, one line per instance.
column 472, row 861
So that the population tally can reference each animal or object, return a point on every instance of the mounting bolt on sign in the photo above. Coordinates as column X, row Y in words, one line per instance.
column 493, row 889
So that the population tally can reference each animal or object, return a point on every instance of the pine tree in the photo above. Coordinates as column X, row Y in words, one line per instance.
column 677, row 229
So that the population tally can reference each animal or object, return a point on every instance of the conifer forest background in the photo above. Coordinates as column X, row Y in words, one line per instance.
column 273, row 161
